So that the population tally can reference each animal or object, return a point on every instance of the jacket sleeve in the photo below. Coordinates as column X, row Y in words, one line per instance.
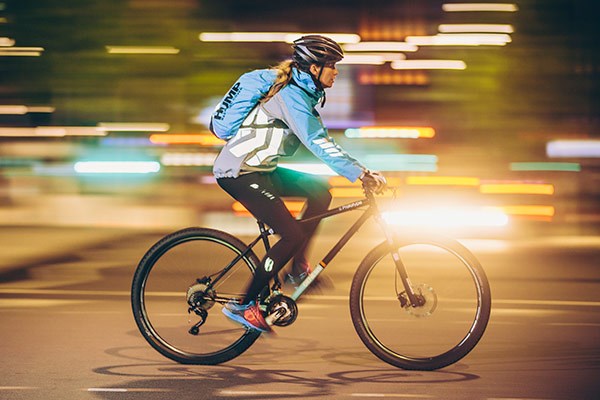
column 296, row 112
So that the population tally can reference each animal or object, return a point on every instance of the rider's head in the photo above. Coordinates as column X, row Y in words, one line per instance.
column 317, row 55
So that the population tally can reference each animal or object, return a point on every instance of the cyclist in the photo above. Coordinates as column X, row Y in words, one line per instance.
column 246, row 167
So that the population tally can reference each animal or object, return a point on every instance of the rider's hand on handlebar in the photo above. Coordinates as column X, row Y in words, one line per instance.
column 373, row 181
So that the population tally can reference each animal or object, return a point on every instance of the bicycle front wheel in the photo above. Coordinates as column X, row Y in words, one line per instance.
column 454, row 311
column 184, row 279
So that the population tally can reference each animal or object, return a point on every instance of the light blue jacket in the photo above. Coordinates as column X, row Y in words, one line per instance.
column 277, row 127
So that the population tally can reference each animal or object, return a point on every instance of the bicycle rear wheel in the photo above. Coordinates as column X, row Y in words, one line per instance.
column 456, row 296
column 182, row 279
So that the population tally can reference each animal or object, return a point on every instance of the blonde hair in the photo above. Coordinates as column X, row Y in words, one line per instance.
column 284, row 75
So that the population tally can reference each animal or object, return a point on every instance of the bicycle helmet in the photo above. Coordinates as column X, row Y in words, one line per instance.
column 316, row 49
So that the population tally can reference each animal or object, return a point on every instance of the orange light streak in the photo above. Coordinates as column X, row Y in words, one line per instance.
column 200, row 139
column 442, row 180
column 517, row 188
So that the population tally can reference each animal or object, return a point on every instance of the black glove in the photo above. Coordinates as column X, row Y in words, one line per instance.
column 373, row 181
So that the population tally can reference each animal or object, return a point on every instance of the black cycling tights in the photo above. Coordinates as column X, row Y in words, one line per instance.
column 261, row 193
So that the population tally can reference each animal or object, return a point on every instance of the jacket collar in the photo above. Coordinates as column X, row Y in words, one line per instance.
column 305, row 81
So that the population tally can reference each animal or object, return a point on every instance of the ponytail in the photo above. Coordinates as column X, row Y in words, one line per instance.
column 284, row 75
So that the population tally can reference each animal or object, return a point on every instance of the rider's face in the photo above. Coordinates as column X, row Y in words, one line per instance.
column 327, row 76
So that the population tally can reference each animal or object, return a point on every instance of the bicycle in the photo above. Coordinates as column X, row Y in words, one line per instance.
column 417, row 302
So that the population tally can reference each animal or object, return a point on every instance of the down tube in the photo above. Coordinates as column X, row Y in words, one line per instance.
column 332, row 253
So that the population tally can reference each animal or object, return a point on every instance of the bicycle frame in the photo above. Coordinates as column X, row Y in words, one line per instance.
column 372, row 210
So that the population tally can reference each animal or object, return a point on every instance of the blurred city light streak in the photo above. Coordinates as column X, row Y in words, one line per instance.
column 165, row 50
column 126, row 142
column 315, row 169
column 448, row 217
column 573, row 148
column 116, row 167
column 287, row 37
column 461, row 39
column 517, row 188
column 6, row 42
column 52, row 131
column 542, row 211
column 401, row 162
column 443, row 180
column 22, row 110
column 13, row 110
column 21, row 51
column 429, row 64
column 380, row 46
column 479, row 28
column 388, row 132
column 405, row 77
column 545, row 166
column 198, row 139
column 133, row 126
column 364, row 59
column 466, row 7
column 188, row 159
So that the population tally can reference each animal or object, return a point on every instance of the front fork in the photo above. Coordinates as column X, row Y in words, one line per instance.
column 390, row 235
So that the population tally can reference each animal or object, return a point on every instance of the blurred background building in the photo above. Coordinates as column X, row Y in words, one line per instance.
column 484, row 115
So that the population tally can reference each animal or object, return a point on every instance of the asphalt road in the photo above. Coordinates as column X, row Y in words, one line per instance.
column 67, row 332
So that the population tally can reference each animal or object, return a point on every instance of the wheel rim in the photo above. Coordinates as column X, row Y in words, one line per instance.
column 421, row 337
column 163, row 298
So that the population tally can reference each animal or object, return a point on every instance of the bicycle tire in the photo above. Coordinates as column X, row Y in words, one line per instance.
column 150, row 277
column 394, row 348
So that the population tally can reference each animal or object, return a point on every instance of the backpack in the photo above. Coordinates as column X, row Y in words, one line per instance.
column 239, row 101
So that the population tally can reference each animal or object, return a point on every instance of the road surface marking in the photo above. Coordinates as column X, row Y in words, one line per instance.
column 399, row 395
column 123, row 390
column 255, row 393
column 316, row 297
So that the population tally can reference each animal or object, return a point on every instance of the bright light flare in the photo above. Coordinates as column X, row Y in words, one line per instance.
column 116, row 167
column 447, row 217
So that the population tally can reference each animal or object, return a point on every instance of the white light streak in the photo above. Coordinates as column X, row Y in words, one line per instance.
column 573, row 148
column 479, row 28
column 315, row 169
column 368, row 59
column 380, row 46
column 461, row 39
column 429, row 64
column 287, row 37
column 462, row 7
column 168, row 50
